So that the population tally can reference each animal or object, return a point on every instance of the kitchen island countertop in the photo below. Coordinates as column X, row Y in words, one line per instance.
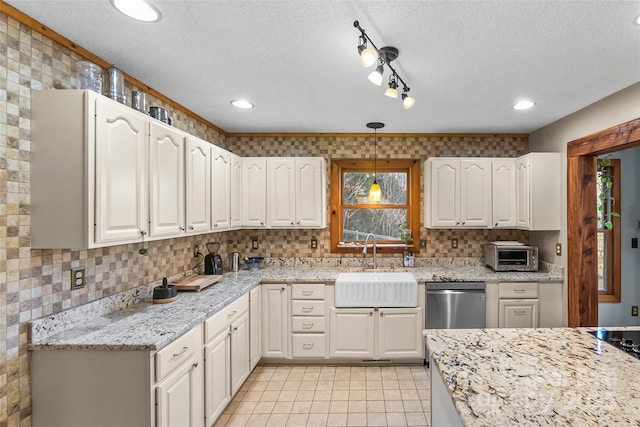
column 531, row 377
column 128, row 321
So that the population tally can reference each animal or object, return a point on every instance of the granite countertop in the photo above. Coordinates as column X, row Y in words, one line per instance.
column 128, row 321
column 531, row 377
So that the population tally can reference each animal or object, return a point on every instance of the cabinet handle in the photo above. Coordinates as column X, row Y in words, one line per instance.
column 519, row 312
column 370, row 313
column 282, row 289
column 307, row 346
column 307, row 325
column 298, row 223
column 233, row 313
column 261, row 223
column 458, row 223
column 143, row 233
column 235, row 329
column 518, row 291
column 291, row 222
column 195, row 365
column 381, row 314
column 182, row 228
column 181, row 353
column 191, row 227
column 307, row 293
column 307, row 309
column 463, row 222
column 215, row 225
column 496, row 224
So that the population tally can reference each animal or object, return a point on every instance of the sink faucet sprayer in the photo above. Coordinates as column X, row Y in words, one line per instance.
column 364, row 250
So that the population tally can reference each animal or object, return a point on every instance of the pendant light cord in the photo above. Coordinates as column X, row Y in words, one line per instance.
column 375, row 155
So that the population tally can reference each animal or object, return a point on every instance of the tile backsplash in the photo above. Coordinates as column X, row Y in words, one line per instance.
column 36, row 283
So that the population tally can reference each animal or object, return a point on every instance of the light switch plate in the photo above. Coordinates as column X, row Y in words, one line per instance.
column 559, row 249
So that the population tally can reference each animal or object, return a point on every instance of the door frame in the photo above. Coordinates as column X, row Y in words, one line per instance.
column 582, row 269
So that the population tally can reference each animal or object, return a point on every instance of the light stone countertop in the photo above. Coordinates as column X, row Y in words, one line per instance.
column 129, row 321
column 532, row 377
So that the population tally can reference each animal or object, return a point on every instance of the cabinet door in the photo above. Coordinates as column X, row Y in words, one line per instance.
column 503, row 189
column 235, row 196
column 166, row 181
column 523, row 214
column 220, row 188
column 352, row 333
column 254, row 191
column 475, row 193
column 310, row 192
column 121, row 168
column 198, row 188
column 255, row 310
column 275, row 319
column 217, row 375
column 281, row 192
column 239, row 351
column 518, row 313
column 179, row 398
column 400, row 333
column 444, row 202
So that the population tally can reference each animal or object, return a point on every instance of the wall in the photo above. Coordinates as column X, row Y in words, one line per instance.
column 618, row 108
column 619, row 314
column 35, row 283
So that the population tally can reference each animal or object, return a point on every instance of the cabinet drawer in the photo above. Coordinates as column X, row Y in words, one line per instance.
column 307, row 324
column 307, row 308
column 179, row 351
column 308, row 345
column 307, row 291
column 518, row 290
column 225, row 317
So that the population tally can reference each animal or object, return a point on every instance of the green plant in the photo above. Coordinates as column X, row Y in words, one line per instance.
column 405, row 233
column 605, row 200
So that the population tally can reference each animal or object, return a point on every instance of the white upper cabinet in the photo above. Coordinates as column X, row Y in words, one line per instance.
column 167, row 201
column 503, row 184
column 254, row 192
column 220, row 189
column 198, row 185
column 458, row 192
column 120, row 174
column 88, row 171
column 537, row 191
column 236, row 191
column 296, row 192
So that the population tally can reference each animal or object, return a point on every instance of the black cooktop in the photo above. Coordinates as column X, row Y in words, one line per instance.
column 627, row 341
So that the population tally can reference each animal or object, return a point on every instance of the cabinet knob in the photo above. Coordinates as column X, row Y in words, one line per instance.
column 458, row 223
column 291, row 222
column 261, row 223
column 496, row 224
column 143, row 233
column 182, row 228
column 215, row 225
column 191, row 227
column 195, row 365
column 235, row 329
column 463, row 222
column 298, row 223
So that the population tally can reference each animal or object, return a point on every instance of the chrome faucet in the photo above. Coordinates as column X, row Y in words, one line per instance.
column 364, row 250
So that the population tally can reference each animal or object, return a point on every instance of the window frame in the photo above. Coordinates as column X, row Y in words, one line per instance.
column 339, row 166
column 613, row 279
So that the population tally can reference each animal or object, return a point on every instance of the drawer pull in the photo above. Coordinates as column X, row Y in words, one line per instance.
column 518, row 291
column 307, row 346
column 307, row 293
column 307, row 325
column 233, row 313
column 307, row 309
column 184, row 349
column 519, row 312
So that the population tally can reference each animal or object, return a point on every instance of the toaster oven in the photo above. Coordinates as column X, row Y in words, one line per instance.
column 510, row 256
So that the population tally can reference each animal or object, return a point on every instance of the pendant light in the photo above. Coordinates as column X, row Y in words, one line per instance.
column 375, row 193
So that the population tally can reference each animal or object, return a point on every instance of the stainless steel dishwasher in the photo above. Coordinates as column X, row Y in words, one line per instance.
column 455, row 305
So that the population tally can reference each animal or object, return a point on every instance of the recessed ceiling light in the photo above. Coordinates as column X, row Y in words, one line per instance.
column 241, row 103
column 524, row 105
column 138, row 9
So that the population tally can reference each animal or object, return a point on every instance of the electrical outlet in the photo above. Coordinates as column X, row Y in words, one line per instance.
column 314, row 244
column 254, row 243
column 78, row 277
column 454, row 243
column 559, row 249
column 196, row 251
column 634, row 310
column 423, row 244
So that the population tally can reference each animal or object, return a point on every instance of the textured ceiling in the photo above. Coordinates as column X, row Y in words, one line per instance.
column 466, row 62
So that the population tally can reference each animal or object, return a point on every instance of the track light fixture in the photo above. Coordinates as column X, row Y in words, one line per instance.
column 384, row 55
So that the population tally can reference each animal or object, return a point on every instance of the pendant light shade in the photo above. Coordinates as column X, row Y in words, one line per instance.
column 408, row 101
column 375, row 192
column 392, row 90
column 368, row 57
column 376, row 75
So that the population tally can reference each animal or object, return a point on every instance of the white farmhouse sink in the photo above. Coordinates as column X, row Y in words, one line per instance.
column 376, row 289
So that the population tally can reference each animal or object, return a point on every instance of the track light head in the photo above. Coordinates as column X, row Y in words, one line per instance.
column 375, row 76
column 407, row 101
column 392, row 91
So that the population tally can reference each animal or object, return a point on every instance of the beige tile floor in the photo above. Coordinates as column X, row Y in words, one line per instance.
column 299, row 396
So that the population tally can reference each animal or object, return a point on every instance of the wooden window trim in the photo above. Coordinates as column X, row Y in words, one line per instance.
column 413, row 195
column 614, row 278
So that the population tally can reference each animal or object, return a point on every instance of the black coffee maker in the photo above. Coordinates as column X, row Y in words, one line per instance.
column 213, row 260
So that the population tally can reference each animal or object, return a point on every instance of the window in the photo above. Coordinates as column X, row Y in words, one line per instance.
column 608, row 239
column 353, row 216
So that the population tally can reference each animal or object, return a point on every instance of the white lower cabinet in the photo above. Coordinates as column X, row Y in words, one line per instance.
column 226, row 356
column 255, row 320
column 376, row 333
column 518, row 313
column 275, row 319
column 308, row 338
column 525, row 305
